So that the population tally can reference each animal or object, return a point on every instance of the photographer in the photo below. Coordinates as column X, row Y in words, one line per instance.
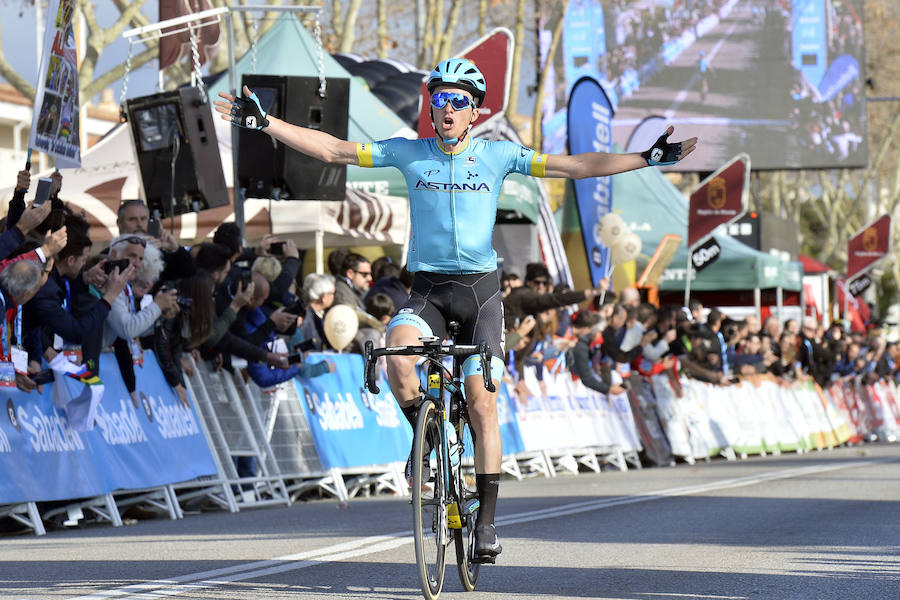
column 126, row 320
column 184, row 327
column 134, row 218
column 64, row 315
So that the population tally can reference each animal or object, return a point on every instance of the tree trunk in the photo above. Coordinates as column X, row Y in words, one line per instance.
column 519, row 37
column 382, row 36
column 537, row 135
column 349, row 34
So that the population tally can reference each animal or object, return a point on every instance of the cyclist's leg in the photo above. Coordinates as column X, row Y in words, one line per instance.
column 486, row 324
column 417, row 318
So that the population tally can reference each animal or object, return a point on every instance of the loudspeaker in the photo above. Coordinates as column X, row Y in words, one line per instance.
column 269, row 169
column 173, row 133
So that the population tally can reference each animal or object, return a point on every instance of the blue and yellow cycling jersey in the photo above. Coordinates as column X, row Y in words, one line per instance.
column 452, row 197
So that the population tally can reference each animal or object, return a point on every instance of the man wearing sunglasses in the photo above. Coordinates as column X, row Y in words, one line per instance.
column 454, row 183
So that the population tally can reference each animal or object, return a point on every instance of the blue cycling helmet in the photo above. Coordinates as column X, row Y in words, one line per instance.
column 461, row 73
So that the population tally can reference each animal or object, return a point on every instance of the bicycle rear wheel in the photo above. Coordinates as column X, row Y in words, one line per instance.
column 429, row 511
column 465, row 537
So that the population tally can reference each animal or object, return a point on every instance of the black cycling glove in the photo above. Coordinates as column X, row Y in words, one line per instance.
column 247, row 113
column 662, row 152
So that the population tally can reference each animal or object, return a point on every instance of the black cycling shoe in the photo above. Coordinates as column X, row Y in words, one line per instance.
column 426, row 467
column 487, row 544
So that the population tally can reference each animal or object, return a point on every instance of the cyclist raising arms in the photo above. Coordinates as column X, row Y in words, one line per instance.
column 454, row 182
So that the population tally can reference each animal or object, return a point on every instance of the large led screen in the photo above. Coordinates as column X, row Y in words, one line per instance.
column 781, row 80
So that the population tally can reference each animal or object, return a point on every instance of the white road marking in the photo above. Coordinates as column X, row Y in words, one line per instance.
column 165, row 588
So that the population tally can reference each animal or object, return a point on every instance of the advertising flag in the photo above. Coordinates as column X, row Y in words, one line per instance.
column 869, row 245
column 492, row 54
column 589, row 119
column 55, row 125
column 719, row 199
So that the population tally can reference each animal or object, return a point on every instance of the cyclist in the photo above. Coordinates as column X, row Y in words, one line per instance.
column 454, row 182
column 703, row 70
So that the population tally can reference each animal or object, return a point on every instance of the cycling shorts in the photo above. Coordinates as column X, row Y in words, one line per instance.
column 473, row 300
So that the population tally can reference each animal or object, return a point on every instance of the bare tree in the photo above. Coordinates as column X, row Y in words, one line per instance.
column 519, row 37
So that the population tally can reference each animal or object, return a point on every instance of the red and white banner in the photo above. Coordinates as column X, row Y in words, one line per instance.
column 55, row 125
column 720, row 199
column 869, row 245
column 492, row 54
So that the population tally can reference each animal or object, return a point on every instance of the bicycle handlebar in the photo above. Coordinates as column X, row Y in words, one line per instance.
column 431, row 351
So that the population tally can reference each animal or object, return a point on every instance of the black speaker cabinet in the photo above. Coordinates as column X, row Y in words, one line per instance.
column 269, row 169
column 173, row 133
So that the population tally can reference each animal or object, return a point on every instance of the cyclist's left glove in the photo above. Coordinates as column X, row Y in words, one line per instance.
column 662, row 152
column 247, row 113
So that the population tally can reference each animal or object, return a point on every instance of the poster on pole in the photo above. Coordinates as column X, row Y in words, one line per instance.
column 868, row 245
column 719, row 200
column 492, row 54
column 55, row 124
column 589, row 126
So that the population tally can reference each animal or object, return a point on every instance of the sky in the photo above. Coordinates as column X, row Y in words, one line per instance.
column 17, row 19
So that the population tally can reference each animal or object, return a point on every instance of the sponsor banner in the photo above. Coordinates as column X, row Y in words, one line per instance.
column 42, row 458
column 492, row 55
column 352, row 427
column 809, row 39
column 56, row 122
column 509, row 427
column 859, row 285
column 706, row 254
column 719, row 200
column 841, row 73
column 868, row 246
column 589, row 119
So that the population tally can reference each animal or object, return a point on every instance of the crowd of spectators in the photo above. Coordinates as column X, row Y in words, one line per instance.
column 604, row 343
column 66, row 299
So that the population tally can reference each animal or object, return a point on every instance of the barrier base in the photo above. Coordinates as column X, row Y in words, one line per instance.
column 25, row 513
column 103, row 507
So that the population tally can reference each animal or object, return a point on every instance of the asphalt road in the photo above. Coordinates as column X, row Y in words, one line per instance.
column 821, row 525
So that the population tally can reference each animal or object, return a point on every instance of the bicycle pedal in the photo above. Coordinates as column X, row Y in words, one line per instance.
column 485, row 560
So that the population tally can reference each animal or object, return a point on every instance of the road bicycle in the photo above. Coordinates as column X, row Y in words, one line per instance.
column 444, row 508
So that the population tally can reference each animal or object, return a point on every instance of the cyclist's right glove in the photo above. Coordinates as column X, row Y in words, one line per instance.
column 247, row 113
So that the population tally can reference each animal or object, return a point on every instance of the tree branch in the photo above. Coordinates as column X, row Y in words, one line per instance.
column 116, row 73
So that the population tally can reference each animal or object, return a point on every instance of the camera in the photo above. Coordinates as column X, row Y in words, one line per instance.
column 304, row 346
column 276, row 249
column 153, row 227
column 110, row 265
column 184, row 303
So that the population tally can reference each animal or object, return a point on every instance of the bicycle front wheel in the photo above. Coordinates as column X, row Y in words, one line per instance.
column 465, row 537
column 429, row 509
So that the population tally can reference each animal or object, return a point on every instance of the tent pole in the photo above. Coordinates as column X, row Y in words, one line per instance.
column 687, row 281
column 757, row 301
column 320, row 251
column 236, row 193
column 779, row 302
